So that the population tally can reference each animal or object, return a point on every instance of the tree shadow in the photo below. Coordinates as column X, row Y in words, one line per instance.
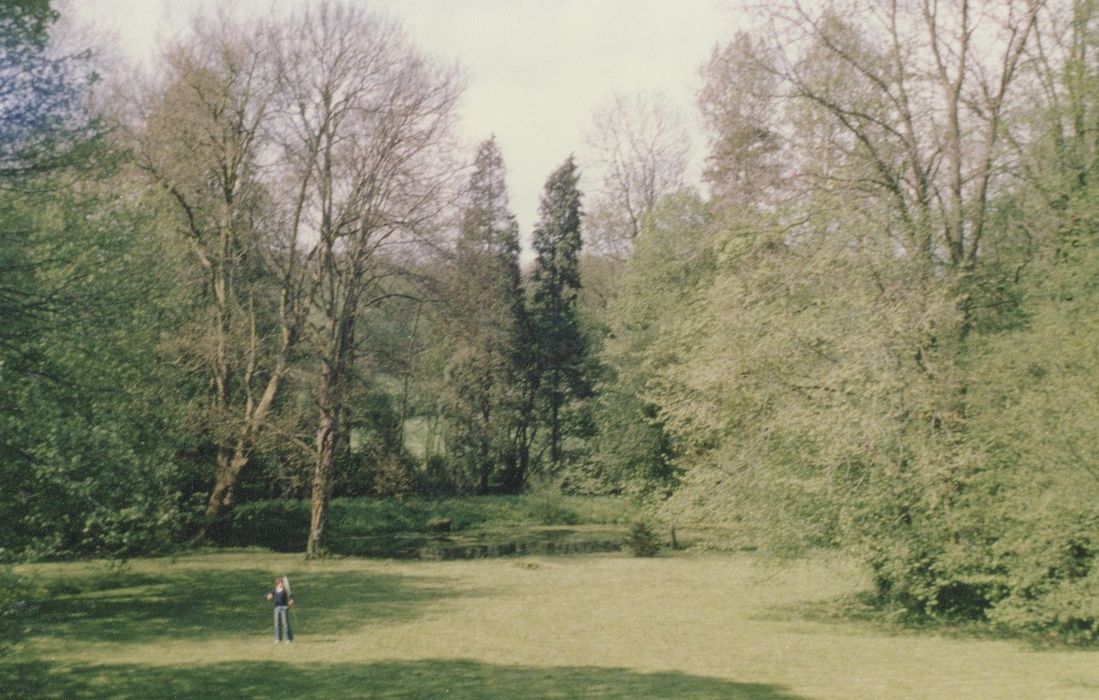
column 432, row 678
column 201, row 603
column 862, row 613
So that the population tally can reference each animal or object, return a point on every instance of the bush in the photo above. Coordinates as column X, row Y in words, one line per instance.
column 1034, row 572
column 393, row 477
column 549, row 511
column 1053, row 578
column 643, row 541
column 437, row 480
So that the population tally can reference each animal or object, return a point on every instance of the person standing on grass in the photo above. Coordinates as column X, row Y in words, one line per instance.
column 280, row 594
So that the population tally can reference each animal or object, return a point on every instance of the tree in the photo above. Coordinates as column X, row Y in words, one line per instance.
column 486, row 314
column 559, row 343
column 362, row 129
column 1031, row 402
column 671, row 263
column 43, row 93
column 917, row 103
column 643, row 147
column 822, row 381
column 199, row 137
column 87, row 447
column 741, row 104
column 45, row 128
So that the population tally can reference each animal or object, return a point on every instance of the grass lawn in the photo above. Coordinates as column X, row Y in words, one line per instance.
column 605, row 626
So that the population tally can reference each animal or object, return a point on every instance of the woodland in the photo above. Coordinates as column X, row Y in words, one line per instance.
column 266, row 270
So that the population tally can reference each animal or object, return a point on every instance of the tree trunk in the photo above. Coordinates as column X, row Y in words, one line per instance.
column 229, row 469
column 485, row 455
column 519, row 451
column 555, row 434
column 327, row 432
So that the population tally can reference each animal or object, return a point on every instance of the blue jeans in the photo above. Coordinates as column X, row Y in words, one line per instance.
column 282, row 621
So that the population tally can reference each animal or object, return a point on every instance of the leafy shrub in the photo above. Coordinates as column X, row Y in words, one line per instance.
column 642, row 540
column 437, row 479
column 393, row 477
column 1030, row 572
column 547, row 511
column 1053, row 578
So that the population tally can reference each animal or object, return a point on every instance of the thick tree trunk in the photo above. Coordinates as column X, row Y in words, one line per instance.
column 231, row 464
column 327, row 433
column 229, row 468
column 328, row 442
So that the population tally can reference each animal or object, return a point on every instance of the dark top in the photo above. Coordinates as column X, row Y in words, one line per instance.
column 281, row 597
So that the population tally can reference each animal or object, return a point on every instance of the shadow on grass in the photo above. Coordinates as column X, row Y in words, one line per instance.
column 214, row 602
column 413, row 679
column 865, row 615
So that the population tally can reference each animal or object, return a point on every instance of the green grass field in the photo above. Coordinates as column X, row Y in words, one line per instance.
column 605, row 626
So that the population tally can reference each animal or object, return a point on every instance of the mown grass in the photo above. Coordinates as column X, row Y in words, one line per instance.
column 606, row 626
column 386, row 679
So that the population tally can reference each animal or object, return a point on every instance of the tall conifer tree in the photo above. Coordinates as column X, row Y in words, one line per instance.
column 559, row 345
column 487, row 313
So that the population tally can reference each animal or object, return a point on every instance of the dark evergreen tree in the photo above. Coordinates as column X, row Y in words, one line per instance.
column 486, row 313
column 559, row 345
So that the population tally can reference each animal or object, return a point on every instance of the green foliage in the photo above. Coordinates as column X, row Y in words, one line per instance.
column 643, row 540
column 671, row 260
column 818, row 367
column 484, row 322
column 282, row 525
column 89, row 438
column 437, row 479
column 558, row 343
column 817, row 382
column 377, row 463
column 393, row 477
column 366, row 516
column 1047, row 571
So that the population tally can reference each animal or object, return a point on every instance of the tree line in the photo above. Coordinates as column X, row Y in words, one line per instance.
column 266, row 270
column 296, row 268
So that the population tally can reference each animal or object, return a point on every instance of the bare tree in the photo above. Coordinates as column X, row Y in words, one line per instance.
column 1063, row 92
column 643, row 147
column 363, row 134
column 199, row 135
column 916, row 93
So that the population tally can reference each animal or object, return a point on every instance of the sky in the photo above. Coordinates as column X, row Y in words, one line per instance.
column 536, row 69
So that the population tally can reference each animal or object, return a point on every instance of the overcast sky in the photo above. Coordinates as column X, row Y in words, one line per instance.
column 537, row 68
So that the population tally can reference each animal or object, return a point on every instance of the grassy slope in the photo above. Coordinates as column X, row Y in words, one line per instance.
column 609, row 626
